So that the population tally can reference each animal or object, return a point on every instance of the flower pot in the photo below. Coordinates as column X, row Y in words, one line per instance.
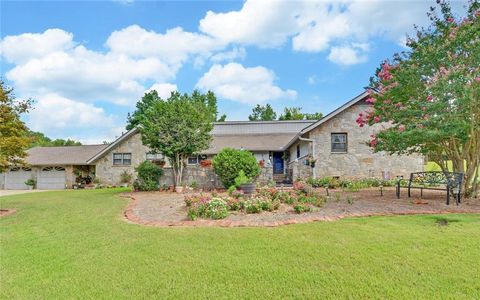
column 248, row 188
column 179, row 189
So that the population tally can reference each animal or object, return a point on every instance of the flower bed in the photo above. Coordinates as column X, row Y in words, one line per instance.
column 303, row 198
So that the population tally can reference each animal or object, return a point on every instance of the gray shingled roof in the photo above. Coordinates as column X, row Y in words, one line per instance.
column 252, row 142
column 255, row 136
column 67, row 155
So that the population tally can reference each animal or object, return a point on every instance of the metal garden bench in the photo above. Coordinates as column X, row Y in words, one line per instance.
column 451, row 182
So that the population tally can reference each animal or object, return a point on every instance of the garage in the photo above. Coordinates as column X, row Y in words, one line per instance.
column 15, row 178
column 51, row 178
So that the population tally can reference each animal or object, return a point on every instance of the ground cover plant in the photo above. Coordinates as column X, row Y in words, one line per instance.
column 75, row 244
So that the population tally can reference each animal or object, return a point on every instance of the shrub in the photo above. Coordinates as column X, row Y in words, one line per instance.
column 302, row 207
column 148, row 176
column 241, row 179
column 331, row 183
column 252, row 207
column 125, row 177
column 217, row 209
column 229, row 162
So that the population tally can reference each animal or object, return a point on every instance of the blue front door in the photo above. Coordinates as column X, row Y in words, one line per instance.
column 277, row 163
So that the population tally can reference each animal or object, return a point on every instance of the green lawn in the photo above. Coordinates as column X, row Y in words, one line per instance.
column 74, row 244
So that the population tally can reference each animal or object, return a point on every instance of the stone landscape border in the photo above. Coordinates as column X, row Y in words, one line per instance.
column 130, row 216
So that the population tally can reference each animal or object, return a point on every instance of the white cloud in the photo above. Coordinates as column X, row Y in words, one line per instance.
column 317, row 25
column 163, row 89
column 245, row 85
column 53, row 112
column 235, row 53
column 312, row 79
column 349, row 55
column 20, row 48
column 174, row 46
column 266, row 23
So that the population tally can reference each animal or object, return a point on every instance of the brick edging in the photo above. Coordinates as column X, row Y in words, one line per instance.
column 130, row 216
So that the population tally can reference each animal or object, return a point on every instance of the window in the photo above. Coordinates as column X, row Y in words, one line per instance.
column 298, row 150
column 154, row 156
column 339, row 142
column 193, row 160
column 122, row 159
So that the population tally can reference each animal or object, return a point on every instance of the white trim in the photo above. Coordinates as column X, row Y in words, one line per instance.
column 112, row 145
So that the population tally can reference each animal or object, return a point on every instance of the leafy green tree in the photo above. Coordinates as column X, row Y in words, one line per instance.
column 40, row 139
column 14, row 137
column 430, row 95
column 229, row 162
column 209, row 100
column 292, row 113
column 314, row 116
column 177, row 127
column 262, row 113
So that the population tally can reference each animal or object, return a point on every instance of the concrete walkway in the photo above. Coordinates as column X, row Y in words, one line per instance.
column 16, row 192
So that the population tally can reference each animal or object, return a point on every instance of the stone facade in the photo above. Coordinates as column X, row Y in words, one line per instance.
column 359, row 160
column 205, row 177
column 108, row 173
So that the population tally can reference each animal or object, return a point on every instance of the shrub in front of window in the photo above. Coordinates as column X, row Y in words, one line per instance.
column 148, row 176
column 229, row 162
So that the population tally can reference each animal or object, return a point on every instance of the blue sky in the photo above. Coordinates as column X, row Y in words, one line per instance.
column 87, row 63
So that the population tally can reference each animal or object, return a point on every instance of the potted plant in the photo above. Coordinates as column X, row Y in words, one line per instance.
column 206, row 163
column 31, row 183
column 261, row 163
column 245, row 183
column 310, row 161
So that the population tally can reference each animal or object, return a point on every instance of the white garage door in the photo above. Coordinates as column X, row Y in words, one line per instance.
column 15, row 178
column 51, row 178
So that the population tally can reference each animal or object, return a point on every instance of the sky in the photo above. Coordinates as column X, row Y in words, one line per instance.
column 86, row 63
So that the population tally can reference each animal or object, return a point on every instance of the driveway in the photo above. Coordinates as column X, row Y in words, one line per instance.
column 16, row 192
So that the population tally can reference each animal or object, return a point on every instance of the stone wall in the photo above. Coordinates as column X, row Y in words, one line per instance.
column 359, row 160
column 206, row 178
column 298, row 169
column 107, row 173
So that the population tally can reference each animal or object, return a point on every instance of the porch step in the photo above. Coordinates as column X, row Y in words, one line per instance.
column 279, row 177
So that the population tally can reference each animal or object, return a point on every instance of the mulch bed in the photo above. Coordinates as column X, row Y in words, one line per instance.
column 168, row 209
column 6, row 212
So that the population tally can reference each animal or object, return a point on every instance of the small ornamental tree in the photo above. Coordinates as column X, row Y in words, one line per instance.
column 430, row 95
column 229, row 162
column 177, row 127
column 14, row 137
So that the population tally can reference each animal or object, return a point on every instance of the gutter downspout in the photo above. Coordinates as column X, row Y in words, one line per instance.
column 313, row 152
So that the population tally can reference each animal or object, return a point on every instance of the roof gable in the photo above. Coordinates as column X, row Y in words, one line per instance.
column 334, row 113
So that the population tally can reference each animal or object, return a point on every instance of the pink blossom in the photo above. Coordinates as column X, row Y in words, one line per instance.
column 401, row 128
column 429, row 98
column 387, row 101
column 424, row 108
column 370, row 100
column 376, row 119
column 398, row 105
column 450, row 20
column 477, row 79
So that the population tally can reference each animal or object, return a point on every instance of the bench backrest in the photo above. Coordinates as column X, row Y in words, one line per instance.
column 451, row 179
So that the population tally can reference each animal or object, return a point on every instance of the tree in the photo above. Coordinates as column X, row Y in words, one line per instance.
column 430, row 95
column 14, row 137
column 314, row 116
column 177, row 127
column 291, row 113
column 262, row 113
column 40, row 139
column 151, row 97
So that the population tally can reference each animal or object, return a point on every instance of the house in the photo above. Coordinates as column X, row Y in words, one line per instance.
column 285, row 150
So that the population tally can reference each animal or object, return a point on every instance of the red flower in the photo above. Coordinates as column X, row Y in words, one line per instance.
column 450, row 20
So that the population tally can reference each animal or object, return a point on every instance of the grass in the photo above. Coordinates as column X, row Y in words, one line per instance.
column 74, row 244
